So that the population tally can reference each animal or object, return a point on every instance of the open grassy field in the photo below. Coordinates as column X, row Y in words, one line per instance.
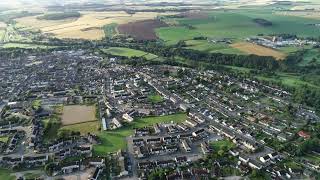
column 4, row 139
column 83, row 128
column 5, row 174
column 88, row 26
column 290, row 80
column 237, row 24
column 155, row 98
column 251, row 48
column 119, row 51
column 222, row 145
column 204, row 45
column 305, row 14
column 77, row 114
column 286, row 79
column 26, row 46
column 115, row 139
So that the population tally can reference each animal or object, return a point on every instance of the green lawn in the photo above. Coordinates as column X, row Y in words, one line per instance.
column 4, row 139
column 5, row 175
column 222, row 145
column 83, row 128
column 156, row 98
column 237, row 24
column 119, row 51
column 115, row 139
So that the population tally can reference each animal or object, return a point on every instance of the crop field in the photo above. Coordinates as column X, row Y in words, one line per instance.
column 119, row 51
column 238, row 24
column 204, row 45
column 115, row 139
column 250, row 48
column 77, row 114
column 88, row 26
column 141, row 30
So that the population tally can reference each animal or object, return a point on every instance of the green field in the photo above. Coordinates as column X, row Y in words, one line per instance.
column 25, row 46
column 83, row 128
column 4, row 139
column 290, row 80
column 237, row 24
column 204, row 45
column 119, row 51
column 115, row 139
column 155, row 98
column 5, row 174
column 286, row 79
column 110, row 30
column 222, row 145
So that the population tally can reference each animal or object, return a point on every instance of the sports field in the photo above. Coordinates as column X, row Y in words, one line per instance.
column 77, row 114
column 119, row 51
column 115, row 139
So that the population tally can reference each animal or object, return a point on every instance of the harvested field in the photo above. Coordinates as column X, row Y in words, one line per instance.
column 91, row 21
column 258, row 50
column 142, row 30
column 77, row 114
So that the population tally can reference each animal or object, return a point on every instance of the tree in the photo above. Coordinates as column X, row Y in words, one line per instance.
column 49, row 168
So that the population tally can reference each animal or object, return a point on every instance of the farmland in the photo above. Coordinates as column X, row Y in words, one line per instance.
column 88, row 26
column 77, row 114
column 118, row 51
column 250, row 48
column 204, row 45
column 237, row 24
column 141, row 30
column 115, row 139
column 59, row 16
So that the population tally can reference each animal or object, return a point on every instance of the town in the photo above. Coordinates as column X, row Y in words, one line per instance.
column 77, row 114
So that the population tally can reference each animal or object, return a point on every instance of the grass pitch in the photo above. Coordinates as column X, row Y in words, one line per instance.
column 115, row 139
column 119, row 51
